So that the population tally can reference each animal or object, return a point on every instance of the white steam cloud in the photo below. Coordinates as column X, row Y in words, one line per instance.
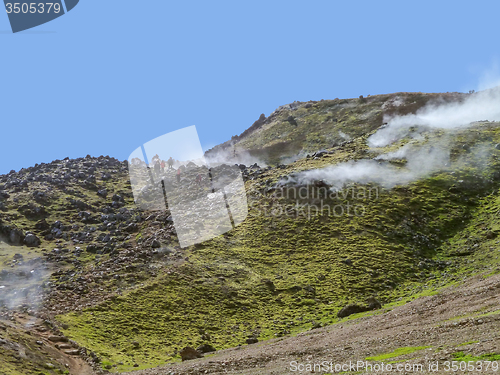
column 484, row 105
column 420, row 162
column 422, row 158
column 228, row 156
column 21, row 284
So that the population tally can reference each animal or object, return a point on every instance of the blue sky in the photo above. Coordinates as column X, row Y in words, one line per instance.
column 112, row 75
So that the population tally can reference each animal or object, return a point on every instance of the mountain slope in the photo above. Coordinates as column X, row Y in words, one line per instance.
column 459, row 323
column 114, row 280
column 305, row 127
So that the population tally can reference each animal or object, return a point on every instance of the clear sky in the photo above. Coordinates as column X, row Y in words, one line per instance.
column 112, row 75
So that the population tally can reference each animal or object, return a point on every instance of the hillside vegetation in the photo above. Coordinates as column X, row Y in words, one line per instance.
column 113, row 279
column 295, row 129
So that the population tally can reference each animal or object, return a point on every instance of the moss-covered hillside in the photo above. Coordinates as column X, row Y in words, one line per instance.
column 305, row 127
column 121, row 287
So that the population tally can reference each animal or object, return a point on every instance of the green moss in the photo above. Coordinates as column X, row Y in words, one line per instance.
column 461, row 356
column 397, row 353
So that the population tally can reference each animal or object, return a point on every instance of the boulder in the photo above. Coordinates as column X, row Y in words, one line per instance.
column 42, row 225
column 79, row 204
column 31, row 240
column 15, row 236
column 291, row 120
column 93, row 248
column 117, row 198
column 131, row 228
column 350, row 309
column 189, row 353
column 347, row 261
column 373, row 304
column 102, row 193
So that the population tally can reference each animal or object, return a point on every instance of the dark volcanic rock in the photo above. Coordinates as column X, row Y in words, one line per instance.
column 350, row 309
column 292, row 120
column 42, row 225
column 15, row 236
column 103, row 193
column 31, row 240
column 93, row 248
column 347, row 261
column 133, row 227
column 189, row 353
column 372, row 304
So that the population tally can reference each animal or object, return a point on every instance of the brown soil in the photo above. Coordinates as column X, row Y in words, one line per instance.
column 37, row 331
